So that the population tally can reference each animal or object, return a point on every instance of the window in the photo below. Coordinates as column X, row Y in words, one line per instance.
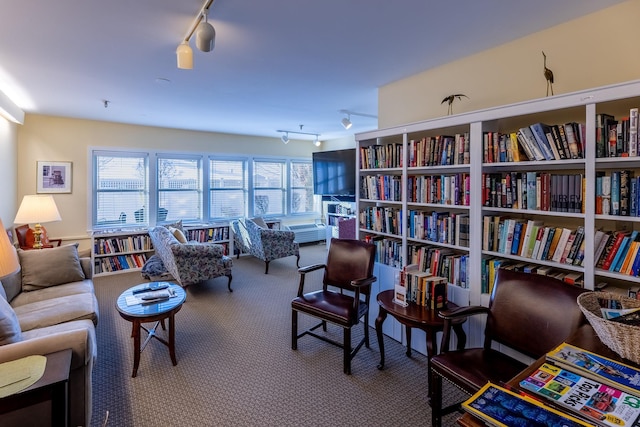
column 228, row 188
column 179, row 188
column 301, row 187
column 268, row 187
column 121, row 188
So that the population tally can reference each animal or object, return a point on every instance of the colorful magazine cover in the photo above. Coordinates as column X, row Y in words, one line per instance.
column 597, row 367
column 504, row 408
column 586, row 398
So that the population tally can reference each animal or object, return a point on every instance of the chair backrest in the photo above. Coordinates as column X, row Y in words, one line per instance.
column 532, row 313
column 349, row 259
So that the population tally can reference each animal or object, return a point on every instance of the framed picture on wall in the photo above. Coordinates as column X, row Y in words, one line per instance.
column 53, row 177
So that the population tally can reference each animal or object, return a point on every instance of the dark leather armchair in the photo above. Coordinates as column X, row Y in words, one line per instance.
column 26, row 238
column 349, row 268
column 528, row 313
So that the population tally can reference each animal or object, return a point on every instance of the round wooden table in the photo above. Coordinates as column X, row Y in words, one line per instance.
column 156, row 312
column 414, row 316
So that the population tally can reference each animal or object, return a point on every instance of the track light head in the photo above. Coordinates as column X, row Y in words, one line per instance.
column 317, row 142
column 205, row 34
column 285, row 137
column 346, row 122
column 185, row 56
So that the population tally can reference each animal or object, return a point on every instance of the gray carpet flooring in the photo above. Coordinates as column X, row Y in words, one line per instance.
column 236, row 367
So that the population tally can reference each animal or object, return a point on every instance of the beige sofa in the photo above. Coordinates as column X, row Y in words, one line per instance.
column 47, row 306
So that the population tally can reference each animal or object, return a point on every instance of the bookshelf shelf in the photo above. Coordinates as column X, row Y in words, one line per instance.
column 119, row 251
column 484, row 131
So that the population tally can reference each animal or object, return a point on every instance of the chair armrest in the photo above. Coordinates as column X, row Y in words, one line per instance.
column 462, row 312
column 58, row 241
column 303, row 271
column 366, row 281
column 457, row 315
column 277, row 235
column 197, row 249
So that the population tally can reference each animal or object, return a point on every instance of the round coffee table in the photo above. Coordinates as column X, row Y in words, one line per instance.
column 156, row 312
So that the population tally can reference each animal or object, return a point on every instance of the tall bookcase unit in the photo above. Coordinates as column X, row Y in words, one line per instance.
column 119, row 251
column 387, row 159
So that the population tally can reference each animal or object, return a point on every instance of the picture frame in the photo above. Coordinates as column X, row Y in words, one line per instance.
column 53, row 177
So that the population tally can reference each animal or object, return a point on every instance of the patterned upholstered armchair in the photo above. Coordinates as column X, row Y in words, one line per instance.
column 264, row 243
column 190, row 262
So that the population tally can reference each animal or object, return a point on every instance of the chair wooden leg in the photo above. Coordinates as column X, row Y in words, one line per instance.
column 229, row 284
column 324, row 325
column 294, row 330
column 366, row 330
column 435, row 398
column 298, row 260
column 266, row 267
column 347, row 351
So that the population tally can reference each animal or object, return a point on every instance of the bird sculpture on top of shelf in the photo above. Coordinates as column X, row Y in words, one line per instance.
column 548, row 74
column 449, row 99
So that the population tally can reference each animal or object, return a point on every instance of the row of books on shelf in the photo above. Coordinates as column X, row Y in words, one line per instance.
column 211, row 234
column 381, row 156
column 119, row 262
column 441, row 150
column 138, row 242
column 440, row 227
column 617, row 251
column 630, row 292
column 532, row 239
column 534, row 191
column 574, row 387
column 453, row 189
column 535, row 142
column 617, row 193
column 381, row 187
column 421, row 288
column 490, row 266
column 382, row 219
column 617, row 137
column 388, row 251
column 442, row 262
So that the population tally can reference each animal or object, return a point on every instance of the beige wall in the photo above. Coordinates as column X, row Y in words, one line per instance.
column 65, row 139
column 8, row 171
column 595, row 50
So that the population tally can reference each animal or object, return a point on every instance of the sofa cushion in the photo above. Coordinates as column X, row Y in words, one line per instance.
column 10, row 331
column 81, row 287
column 57, row 310
column 50, row 267
column 12, row 285
column 178, row 234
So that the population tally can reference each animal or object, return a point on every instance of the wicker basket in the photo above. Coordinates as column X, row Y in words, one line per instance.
column 619, row 337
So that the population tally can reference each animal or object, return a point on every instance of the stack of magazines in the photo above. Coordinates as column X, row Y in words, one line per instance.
column 580, row 387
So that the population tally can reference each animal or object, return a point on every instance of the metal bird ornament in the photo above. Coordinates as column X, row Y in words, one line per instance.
column 449, row 99
column 548, row 74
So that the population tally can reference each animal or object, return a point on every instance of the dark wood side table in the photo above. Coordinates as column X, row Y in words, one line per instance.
column 414, row 316
column 147, row 313
column 52, row 386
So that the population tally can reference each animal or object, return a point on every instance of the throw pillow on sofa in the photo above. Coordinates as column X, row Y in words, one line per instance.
column 9, row 326
column 42, row 268
column 178, row 234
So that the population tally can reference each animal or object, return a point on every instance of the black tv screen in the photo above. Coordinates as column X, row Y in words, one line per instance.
column 334, row 172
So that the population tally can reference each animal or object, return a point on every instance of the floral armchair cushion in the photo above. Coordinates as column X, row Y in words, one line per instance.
column 190, row 262
column 265, row 244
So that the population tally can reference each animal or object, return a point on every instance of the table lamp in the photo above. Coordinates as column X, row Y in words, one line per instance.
column 37, row 209
column 8, row 258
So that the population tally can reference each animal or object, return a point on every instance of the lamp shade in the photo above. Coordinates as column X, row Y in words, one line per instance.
column 205, row 37
column 8, row 258
column 37, row 209
column 185, row 56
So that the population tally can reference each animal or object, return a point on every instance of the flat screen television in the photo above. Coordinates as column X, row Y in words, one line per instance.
column 334, row 172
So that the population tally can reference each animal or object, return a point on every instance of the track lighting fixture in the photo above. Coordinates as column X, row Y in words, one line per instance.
column 205, row 38
column 346, row 122
column 285, row 136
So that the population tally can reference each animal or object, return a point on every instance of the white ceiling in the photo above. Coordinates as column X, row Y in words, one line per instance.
column 277, row 64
